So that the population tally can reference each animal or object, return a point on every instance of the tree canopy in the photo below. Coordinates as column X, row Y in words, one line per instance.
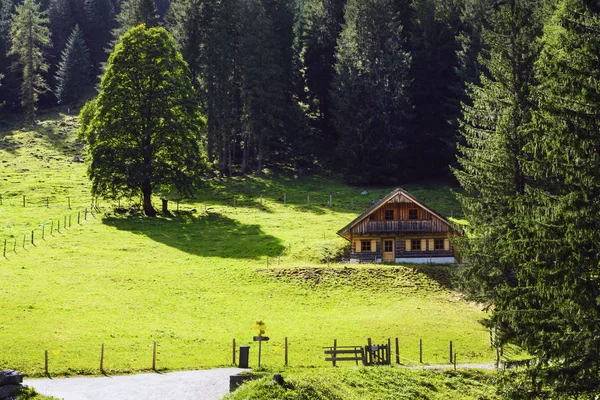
column 144, row 129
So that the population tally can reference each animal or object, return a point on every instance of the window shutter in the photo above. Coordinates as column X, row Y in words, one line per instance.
column 423, row 244
column 357, row 246
column 446, row 244
column 373, row 246
column 408, row 248
column 431, row 245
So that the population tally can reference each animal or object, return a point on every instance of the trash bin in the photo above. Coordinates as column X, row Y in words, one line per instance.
column 244, row 353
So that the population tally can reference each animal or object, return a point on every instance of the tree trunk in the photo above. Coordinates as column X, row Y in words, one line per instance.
column 165, row 207
column 147, row 193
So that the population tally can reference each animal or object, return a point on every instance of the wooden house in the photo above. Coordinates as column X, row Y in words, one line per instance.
column 400, row 228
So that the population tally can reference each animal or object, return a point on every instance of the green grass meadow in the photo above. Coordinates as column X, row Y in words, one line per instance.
column 195, row 282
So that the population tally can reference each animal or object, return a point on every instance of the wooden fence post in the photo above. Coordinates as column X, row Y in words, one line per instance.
column 389, row 352
column 24, row 239
column 51, row 227
column 334, row 351
column 65, row 224
column 85, row 215
column 455, row 361
column 15, row 246
column 32, row 238
column 69, row 202
column 43, row 226
column 451, row 351
column 397, row 352
column 286, row 351
column 233, row 352
column 154, row 357
column 23, row 200
column 102, row 358
column 421, row 351
column 46, row 361
column 4, row 248
column 58, row 229
column 370, row 352
column 78, row 217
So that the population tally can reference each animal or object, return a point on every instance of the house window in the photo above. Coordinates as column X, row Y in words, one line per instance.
column 365, row 245
column 412, row 213
column 389, row 215
column 438, row 244
column 415, row 244
column 388, row 246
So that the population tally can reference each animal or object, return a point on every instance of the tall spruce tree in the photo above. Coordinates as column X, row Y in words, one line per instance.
column 222, row 80
column 100, row 18
column 559, row 318
column 188, row 22
column 319, row 31
column 263, row 90
column 30, row 36
column 435, row 83
column 133, row 13
column 371, row 94
column 73, row 76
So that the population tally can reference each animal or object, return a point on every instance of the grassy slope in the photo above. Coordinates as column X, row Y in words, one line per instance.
column 194, row 283
column 371, row 383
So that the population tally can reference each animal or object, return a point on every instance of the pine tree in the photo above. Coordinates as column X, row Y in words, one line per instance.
column 100, row 18
column 133, row 13
column 30, row 35
column 222, row 83
column 435, row 84
column 491, row 162
column 319, row 31
column 562, row 328
column 73, row 76
column 63, row 18
column 263, row 91
column 372, row 108
column 188, row 22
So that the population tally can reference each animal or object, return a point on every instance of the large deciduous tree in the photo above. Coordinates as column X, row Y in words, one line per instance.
column 144, row 128
column 30, row 35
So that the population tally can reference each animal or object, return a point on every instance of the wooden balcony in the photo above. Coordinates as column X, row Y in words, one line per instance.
column 399, row 226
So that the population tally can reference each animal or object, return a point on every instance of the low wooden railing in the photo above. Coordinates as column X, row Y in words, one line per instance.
column 399, row 226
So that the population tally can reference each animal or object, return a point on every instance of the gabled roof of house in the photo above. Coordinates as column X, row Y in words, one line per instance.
column 384, row 201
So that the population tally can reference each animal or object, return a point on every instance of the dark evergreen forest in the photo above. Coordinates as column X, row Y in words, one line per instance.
column 368, row 88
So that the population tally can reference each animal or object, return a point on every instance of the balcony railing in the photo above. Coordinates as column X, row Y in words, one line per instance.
column 398, row 226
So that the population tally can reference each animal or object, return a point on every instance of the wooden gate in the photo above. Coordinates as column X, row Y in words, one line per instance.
column 379, row 354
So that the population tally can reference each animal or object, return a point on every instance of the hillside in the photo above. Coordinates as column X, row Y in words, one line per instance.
column 195, row 282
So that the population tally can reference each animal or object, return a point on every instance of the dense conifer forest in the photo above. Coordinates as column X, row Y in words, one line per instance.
column 368, row 88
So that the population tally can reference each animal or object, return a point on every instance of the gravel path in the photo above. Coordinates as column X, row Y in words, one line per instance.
column 185, row 385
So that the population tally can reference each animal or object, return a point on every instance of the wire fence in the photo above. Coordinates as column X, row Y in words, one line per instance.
column 216, row 203
column 102, row 357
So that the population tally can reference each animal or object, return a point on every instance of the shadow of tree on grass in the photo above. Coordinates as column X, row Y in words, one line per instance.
column 213, row 235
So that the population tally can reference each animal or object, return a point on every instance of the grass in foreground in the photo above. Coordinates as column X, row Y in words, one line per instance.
column 373, row 383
